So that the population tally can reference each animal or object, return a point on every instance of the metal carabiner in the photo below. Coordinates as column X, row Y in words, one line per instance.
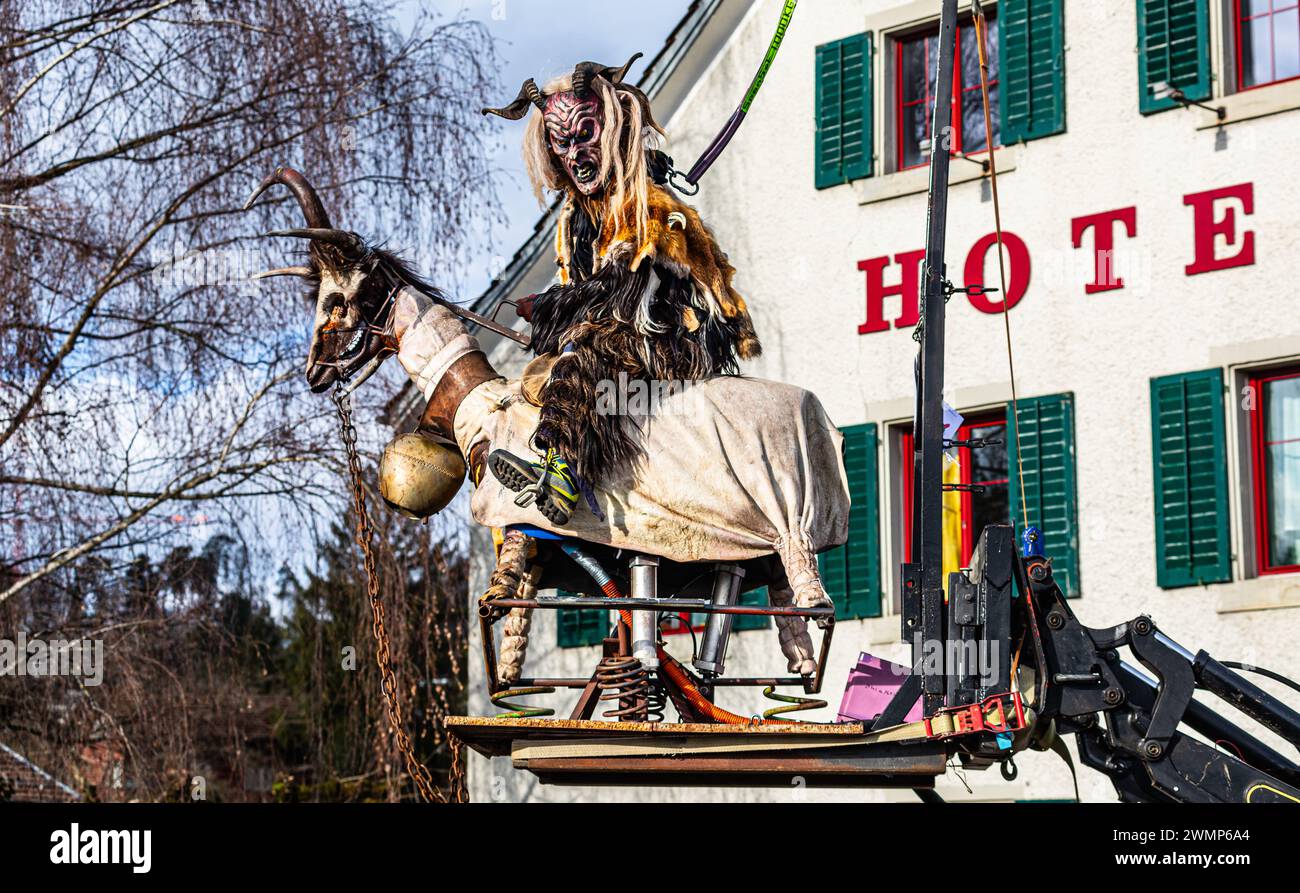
column 674, row 174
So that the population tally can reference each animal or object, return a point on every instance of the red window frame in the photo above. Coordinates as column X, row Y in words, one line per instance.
column 959, row 89
column 1291, row 6
column 965, row 432
column 1259, row 467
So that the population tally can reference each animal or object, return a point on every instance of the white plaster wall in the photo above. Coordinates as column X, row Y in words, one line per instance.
column 797, row 248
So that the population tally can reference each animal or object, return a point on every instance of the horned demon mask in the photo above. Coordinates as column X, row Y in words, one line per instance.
column 573, row 130
column 574, row 121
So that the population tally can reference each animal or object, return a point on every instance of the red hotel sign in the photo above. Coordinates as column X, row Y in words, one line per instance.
column 1213, row 215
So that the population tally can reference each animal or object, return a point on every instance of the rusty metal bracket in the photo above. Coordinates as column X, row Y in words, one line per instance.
column 697, row 606
column 490, row 611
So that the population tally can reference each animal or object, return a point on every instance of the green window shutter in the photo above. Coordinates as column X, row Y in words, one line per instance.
column 844, row 137
column 569, row 622
column 757, row 598
column 1174, row 47
column 1044, row 427
column 832, row 566
column 1031, row 44
column 851, row 573
column 1189, row 454
column 861, row 455
column 580, row 626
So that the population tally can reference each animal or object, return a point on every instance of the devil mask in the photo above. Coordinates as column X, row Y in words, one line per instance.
column 573, row 129
column 574, row 119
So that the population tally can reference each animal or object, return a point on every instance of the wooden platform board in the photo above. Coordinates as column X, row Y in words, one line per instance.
column 589, row 752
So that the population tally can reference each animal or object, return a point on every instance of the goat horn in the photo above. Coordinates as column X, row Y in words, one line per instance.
column 312, row 209
column 616, row 75
column 338, row 237
column 583, row 73
column 528, row 93
column 301, row 272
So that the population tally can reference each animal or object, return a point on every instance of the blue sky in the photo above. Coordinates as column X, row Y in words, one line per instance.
column 540, row 39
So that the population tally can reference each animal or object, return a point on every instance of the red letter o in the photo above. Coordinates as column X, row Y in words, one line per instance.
column 1018, row 271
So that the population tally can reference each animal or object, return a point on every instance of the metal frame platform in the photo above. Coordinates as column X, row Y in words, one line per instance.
column 587, row 752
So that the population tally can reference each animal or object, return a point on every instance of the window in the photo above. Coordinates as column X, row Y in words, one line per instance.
column 578, row 627
column 1044, row 431
column 985, row 467
column 681, row 623
column 1262, row 43
column 1173, row 51
column 1026, row 56
column 1275, row 470
column 1268, row 41
column 754, row 598
column 1031, row 69
column 687, row 621
column 1046, row 441
column 914, row 94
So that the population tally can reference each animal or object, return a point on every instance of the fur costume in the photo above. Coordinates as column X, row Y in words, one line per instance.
column 656, row 309
column 645, row 298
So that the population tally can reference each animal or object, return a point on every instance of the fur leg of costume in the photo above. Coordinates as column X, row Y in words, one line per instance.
column 507, row 580
column 796, row 643
column 801, row 570
column 514, row 632
column 512, row 560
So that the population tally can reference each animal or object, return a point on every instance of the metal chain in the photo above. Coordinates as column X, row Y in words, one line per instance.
column 365, row 534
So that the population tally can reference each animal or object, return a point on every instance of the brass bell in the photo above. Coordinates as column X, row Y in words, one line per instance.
column 419, row 475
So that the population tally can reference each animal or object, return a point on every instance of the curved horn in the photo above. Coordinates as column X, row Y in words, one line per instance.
column 583, row 72
column 301, row 272
column 312, row 209
column 338, row 237
column 528, row 93
column 616, row 75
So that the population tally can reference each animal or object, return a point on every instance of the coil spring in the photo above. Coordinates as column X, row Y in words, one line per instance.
column 521, row 711
column 656, row 700
column 625, row 680
column 793, row 703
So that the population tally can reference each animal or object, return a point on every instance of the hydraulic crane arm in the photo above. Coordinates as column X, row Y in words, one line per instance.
column 1130, row 725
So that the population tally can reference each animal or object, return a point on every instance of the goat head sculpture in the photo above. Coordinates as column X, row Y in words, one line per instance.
column 353, row 283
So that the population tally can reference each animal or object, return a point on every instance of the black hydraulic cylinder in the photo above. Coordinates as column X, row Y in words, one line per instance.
column 1247, row 697
column 1203, row 720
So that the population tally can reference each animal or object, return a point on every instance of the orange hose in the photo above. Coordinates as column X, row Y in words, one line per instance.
column 677, row 673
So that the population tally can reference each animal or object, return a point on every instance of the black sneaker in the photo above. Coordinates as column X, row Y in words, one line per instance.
column 549, row 484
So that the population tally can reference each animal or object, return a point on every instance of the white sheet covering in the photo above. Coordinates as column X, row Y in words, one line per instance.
column 734, row 468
